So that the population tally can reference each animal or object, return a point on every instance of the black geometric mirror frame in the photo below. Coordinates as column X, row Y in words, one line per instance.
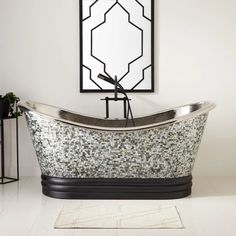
column 116, row 39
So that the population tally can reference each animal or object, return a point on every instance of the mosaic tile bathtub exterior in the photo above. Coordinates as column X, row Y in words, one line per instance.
column 69, row 151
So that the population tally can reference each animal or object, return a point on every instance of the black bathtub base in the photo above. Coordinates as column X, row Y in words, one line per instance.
column 115, row 188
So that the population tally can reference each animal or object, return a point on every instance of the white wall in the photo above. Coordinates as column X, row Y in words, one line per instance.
column 195, row 60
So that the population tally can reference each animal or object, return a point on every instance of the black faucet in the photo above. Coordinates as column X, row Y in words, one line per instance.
column 118, row 89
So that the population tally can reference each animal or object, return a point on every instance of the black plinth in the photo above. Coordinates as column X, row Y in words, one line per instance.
column 115, row 188
column 3, row 178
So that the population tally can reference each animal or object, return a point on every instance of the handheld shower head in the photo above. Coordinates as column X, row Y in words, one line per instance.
column 106, row 78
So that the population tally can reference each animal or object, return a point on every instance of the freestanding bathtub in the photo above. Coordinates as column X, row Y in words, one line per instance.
column 93, row 158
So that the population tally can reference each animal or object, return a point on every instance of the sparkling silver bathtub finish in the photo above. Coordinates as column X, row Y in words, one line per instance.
column 69, row 145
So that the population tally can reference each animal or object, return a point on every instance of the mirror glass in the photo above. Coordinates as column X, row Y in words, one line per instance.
column 117, row 39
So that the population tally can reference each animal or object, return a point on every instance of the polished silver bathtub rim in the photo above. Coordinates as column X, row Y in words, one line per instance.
column 53, row 113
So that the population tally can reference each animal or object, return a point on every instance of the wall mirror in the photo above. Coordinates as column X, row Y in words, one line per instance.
column 117, row 39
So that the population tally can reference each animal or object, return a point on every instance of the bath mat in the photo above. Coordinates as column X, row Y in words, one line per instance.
column 118, row 216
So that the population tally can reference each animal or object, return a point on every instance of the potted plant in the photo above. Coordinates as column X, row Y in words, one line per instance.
column 4, row 107
column 8, row 106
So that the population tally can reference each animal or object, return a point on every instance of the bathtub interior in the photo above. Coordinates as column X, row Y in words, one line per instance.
column 162, row 117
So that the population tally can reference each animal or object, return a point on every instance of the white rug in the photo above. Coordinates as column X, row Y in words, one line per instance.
column 118, row 215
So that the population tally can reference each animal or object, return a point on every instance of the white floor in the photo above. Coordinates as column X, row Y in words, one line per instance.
column 210, row 210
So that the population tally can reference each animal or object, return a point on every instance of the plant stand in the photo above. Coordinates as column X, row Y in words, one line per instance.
column 4, row 179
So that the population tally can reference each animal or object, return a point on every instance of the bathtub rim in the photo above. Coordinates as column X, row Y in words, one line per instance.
column 205, row 107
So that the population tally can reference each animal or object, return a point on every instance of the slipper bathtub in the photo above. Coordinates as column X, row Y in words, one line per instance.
column 83, row 157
